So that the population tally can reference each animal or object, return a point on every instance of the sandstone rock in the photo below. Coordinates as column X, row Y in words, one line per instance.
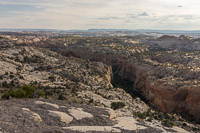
column 16, row 119
column 65, row 118
column 127, row 123
column 36, row 117
column 26, row 109
column 180, row 130
column 46, row 103
column 112, row 114
column 79, row 114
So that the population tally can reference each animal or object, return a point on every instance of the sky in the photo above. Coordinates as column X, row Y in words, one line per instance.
column 100, row 14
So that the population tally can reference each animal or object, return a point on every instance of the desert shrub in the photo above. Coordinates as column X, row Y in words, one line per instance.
column 91, row 101
column 49, row 93
column 140, row 115
column 167, row 123
column 41, row 93
column 67, row 86
column 1, row 77
column 74, row 100
column 195, row 129
column 184, row 124
column 52, row 78
column 29, row 89
column 12, row 83
column 117, row 105
column 6, row 95
column 20, row 93
column 5, row 84
column 148, row 113
column 11, row 76
column 61, row 97
column 26, row 91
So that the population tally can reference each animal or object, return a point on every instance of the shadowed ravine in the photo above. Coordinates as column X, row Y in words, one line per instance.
column 127, row 85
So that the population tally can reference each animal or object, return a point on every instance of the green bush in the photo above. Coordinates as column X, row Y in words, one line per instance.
column 91, row 101
column 195, row 129
column 148, row 113
column 184, row 124
column 117, row 105
column 20, row 93
column 26, row 91
column 140, row 115
column 29, row 90
column 6, row 95
column 61, row 97
column 41, row 93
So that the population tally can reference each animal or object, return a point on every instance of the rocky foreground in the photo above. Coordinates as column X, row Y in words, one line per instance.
column 44, row 116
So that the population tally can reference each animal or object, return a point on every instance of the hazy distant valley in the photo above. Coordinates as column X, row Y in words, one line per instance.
column 99, row 82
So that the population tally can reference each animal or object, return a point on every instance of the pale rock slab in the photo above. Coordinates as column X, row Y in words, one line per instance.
column 180, row 130
column 112, row 114
column 79, row 113
column 36, row 117
column 127, row 123
column 50, row 104
column 65, row 118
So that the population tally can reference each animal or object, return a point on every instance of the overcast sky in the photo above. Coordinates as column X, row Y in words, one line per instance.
column 110, row 14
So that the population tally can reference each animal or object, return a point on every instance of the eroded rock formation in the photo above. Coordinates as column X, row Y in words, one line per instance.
column 162, row 76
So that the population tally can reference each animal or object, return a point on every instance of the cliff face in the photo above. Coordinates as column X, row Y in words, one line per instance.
column 109, row 75
column 185, row 100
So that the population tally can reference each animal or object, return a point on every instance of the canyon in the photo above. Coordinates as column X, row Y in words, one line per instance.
column 145, row 71
column 123, row 75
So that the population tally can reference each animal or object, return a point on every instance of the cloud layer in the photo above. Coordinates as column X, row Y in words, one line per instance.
column 84, row 14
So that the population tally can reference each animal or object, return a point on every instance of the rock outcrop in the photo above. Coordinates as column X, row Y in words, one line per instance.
column 27, row 116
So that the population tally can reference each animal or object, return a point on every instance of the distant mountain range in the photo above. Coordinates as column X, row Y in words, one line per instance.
column 148, row 30
column 112, row 30
column 20, row 30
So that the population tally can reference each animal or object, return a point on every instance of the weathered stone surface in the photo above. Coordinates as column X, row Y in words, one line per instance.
column 26, row 116
column 62, row 116
column 112, row 114
column 128, row 123
column 79, row 114
column 36, row 117
column 46, row 103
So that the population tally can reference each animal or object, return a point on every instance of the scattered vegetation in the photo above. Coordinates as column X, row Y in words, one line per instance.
column 41, row 94
column 168, row 123
column 91, row 101
column 143, row 115
column 26, row 91
column 61, row 97
column 117, row 105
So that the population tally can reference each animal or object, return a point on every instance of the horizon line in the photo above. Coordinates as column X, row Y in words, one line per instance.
column 93, row 29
